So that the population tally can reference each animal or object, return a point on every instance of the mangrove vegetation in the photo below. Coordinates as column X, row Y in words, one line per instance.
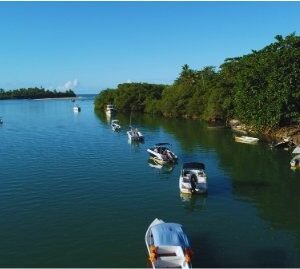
column 34, row 93
column 261, row 89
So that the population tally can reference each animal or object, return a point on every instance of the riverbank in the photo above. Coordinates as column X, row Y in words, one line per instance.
column 278, row 134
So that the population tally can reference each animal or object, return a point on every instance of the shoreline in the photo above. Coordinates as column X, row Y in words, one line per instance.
column 277, row 134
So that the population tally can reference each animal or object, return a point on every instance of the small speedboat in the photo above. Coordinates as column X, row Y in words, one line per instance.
column 76, row 108
column 295, row 162
column 135, row 135
column 168, row 245
column 246, row 139
column 115, row 126
column 162, row 154
column 193, row 178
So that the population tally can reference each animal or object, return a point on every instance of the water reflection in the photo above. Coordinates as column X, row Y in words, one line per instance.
column 193, row 202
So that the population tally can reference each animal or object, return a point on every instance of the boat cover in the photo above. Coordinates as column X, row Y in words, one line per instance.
column 169, row 234
column 193, row 165
column 296, row 150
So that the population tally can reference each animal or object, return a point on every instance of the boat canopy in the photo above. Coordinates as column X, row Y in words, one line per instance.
column 193, row 165
column 169, row 234
column 114, row 121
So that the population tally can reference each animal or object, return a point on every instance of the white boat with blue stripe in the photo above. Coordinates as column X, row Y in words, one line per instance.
column 168, row 245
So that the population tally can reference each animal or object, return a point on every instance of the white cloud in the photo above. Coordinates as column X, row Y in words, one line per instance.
column 71, row 84
column 128, row 81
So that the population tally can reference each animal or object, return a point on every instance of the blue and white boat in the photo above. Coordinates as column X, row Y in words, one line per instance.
column 168, row 245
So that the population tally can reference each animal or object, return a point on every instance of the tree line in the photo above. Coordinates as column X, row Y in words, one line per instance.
column 261, row 89
column 34, row 93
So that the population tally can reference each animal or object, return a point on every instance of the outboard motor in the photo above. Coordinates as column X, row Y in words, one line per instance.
column 193, row 182
column 169, row 155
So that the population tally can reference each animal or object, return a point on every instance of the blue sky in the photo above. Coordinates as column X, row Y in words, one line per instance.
column 90, row 46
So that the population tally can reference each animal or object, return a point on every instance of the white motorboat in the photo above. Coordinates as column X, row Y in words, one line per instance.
column 76, row 108
column 115, row 126
column 246, row 139
column 135, row 135
column 168, row 245
column 296, row 150
column 162, row 154
column 193, row 178
column 110, row 109
column 295, row 162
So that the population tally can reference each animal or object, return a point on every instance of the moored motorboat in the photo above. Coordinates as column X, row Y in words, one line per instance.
column 115, row 126
column 110, row 109
column 193, row 178
column 296, row 150
column 135, row 135
column 76, row 108
column 162, row 154
column 246, row 139
column 168, row 245
column 295, row 162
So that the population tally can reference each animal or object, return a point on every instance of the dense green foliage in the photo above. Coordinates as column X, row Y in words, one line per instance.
column 34, row 93
column 262, row 89
column 131, row 97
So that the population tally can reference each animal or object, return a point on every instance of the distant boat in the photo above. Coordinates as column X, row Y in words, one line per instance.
column 115, row 126
column 168, row 245
column 110, row 109
column 77, row 108
column 1, row 121
column 193, row 178
column 246, row 139
column 73, row 100
column 135, row 135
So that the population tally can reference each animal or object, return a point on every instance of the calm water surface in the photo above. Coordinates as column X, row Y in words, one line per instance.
column 75, row 194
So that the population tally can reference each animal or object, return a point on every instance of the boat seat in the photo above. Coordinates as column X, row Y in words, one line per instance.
column 172, row 254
